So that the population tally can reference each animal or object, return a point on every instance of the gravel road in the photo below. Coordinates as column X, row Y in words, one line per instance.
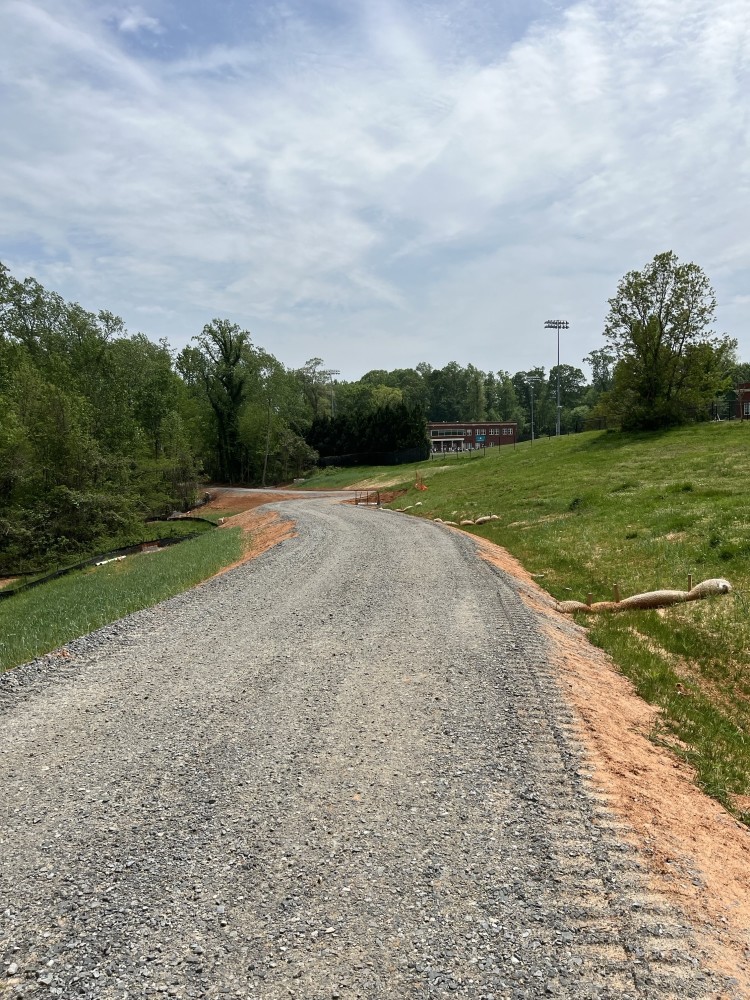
column 343, row 770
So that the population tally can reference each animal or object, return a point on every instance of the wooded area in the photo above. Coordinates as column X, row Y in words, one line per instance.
column 102, row 428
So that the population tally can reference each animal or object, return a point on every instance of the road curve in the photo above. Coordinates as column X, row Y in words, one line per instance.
column 342, row 770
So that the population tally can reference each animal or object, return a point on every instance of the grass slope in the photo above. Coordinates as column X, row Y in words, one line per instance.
column 39, row 620
column 644, row 512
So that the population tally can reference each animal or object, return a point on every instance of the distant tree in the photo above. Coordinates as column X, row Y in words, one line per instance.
column 572, row 392
column 413, row 386
column 740, row 373
column 315, row 383
column 544, row 400
column 572, row 385
column 602, row 364
column 447, row 392
column 476, row 395
column 509, row 405
column 220, row 365
column 393, row 426
column 670, row 366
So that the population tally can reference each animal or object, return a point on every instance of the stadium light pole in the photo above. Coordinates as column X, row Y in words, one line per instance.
column 557, row 324
column 330, row 372
column 531, row 382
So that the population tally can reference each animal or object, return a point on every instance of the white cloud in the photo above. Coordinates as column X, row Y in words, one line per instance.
column 134, row 19
column 378, row 185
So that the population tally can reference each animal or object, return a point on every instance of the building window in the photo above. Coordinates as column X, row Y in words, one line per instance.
column 507, row 430
column 746, row 409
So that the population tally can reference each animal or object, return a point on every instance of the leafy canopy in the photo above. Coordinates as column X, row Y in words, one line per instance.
column 670, row 365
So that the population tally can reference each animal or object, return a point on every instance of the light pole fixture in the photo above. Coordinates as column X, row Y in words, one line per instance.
column 531, row 382
column 330, row 372
column 557, row 324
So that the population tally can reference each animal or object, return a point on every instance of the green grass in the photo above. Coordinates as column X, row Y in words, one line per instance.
column 150, row 531
column 374, row 476
column 142, row 532
column 43, row 618
column 642, row 511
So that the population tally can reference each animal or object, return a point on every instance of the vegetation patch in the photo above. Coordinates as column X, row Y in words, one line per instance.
column 39, row 620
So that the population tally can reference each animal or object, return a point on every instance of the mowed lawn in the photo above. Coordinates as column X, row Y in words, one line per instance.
column 644, row 512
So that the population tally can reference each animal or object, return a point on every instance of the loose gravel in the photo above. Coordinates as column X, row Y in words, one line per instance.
column 343, row 770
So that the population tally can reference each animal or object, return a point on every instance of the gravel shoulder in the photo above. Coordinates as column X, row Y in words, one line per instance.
column 344, row 769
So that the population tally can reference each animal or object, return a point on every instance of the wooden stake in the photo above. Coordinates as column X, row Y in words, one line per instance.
column 616, row 592
column 690, row 581
column 589, row 598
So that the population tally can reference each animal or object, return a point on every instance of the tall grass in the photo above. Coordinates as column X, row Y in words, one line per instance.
column 39, row 620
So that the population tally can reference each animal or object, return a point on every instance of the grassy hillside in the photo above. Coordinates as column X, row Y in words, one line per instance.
column 39, row 620
column 644, row 512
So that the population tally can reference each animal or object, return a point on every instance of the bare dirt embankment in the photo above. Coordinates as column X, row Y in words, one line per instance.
column 262, row 529
column 698, row 854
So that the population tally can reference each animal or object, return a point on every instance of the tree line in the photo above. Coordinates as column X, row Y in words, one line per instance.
column 101, row 428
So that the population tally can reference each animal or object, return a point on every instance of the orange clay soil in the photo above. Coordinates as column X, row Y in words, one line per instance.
column 262, row 530
column 228, row 499
column 697, row 853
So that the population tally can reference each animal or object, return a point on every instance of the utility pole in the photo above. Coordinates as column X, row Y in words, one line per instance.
column 267, row 372
column 557, row 324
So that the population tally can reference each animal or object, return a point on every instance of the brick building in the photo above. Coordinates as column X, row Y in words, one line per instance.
column 743, row 401
column 461, row 435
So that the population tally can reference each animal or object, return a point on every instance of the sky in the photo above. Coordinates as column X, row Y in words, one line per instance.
column 375, row 182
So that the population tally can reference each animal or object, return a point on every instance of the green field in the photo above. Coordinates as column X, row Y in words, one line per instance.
column 41, row 619
column 645, row 512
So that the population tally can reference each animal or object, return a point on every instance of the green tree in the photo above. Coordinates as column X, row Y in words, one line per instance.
column 475, row 407
column 670, row 365
column 92, row 435
column 572, row 390
column 219, row 365
column 544, row 400
column 315, row 383
column 508, row 405
column 602, row 364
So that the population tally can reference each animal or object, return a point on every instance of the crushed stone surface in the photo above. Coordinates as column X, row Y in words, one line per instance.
column 343, row 770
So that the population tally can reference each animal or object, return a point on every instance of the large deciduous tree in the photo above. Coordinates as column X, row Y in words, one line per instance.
column 670, row 365
column 220, row 365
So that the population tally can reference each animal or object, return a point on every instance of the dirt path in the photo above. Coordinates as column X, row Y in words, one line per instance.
column 344, row 769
